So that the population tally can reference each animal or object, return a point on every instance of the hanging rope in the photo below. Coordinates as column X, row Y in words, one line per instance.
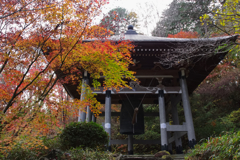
column 134, row 120
column 142, row 98
column 134, row 116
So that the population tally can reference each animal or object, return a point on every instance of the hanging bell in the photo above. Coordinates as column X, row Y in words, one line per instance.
column 131, row 117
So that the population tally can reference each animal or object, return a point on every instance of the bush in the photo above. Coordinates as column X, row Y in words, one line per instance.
column 78, row 153
column 149, row 134
column 147, row 148
column 82, row 134
column 223, row 147
column 234, row 117
column 30, row 148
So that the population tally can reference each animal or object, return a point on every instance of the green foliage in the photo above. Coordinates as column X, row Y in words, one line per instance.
column 234, row 118
column 225, row 17
column 73, row 154
column 79, row 153
column 163, row 155
column 149, row 134
column 147, row 149
column 118, row 19
column 52, row 143
column 209, row 114
column 23, row 149
column 152, row 132
column 182, row 15
column 83, row 134
column 151, row 123
column 223, row 147
column 209, row 101
column 18, row 153
column 215, row 104
column 52, row 150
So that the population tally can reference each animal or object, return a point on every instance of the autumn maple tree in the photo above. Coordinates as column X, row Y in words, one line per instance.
column 40, row 38
column 184, row 34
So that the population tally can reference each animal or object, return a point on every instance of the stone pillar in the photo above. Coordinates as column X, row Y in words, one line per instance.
column 130, row 144
column 178, row 141
column 163, row 125
column 108, row 116
column 187, row 110
column 85, row 81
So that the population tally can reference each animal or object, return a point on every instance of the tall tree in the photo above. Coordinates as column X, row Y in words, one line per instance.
column 50, row 29
column 39, row 37
column 118, row 19
column 183, row 15
column 225, row 19
column 184, row 34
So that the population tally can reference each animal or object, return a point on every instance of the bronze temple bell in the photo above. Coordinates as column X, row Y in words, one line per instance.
column 132, row 117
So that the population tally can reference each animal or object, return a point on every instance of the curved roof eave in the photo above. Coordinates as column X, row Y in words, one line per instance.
column 150, row 39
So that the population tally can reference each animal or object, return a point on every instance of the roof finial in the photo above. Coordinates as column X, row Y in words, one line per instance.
column 130, row 27
column 130, row 30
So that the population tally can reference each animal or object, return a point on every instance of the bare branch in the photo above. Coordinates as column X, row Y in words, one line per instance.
column 19, row 10
column 190, row 53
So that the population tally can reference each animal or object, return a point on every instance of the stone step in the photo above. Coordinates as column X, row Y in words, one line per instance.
column 177, row 156
column 150, row 157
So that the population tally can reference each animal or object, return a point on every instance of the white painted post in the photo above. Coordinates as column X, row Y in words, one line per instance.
column 108, row 116
column 163, row 125
column 85, row 81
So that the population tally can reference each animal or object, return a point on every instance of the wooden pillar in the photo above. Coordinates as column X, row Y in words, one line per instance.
column 163, row 125
column 169, row 135
column 108, row 116
column 178, row 141
column 89, row 114
column 187, row 110
column 85, row 81
column 94, row 119
column 130, row 144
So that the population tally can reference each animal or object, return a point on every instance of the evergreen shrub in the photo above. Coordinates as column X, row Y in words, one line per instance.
column 87, row 153
column 85, row 135
column 222, row 147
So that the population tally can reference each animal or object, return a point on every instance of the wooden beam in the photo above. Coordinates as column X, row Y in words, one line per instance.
column 155, row 74
column 172, row 139
column 177, row 128
column 150, row 76
column 140, row 90
column 116, row 99
column 148, row 114
column 135, row 141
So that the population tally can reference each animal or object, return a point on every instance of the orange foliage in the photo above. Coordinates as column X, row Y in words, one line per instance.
column 39, row 37
column 184, row 34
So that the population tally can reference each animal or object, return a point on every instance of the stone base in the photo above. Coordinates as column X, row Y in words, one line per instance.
column 179, row 150
column 109, row 149
column 192, row 143
column 164, row 147
column 130, row 152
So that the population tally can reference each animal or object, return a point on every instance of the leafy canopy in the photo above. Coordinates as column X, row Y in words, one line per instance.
column 118, row 19
column 42, row 46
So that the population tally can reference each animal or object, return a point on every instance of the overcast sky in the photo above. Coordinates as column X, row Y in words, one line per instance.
column 148, row 11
